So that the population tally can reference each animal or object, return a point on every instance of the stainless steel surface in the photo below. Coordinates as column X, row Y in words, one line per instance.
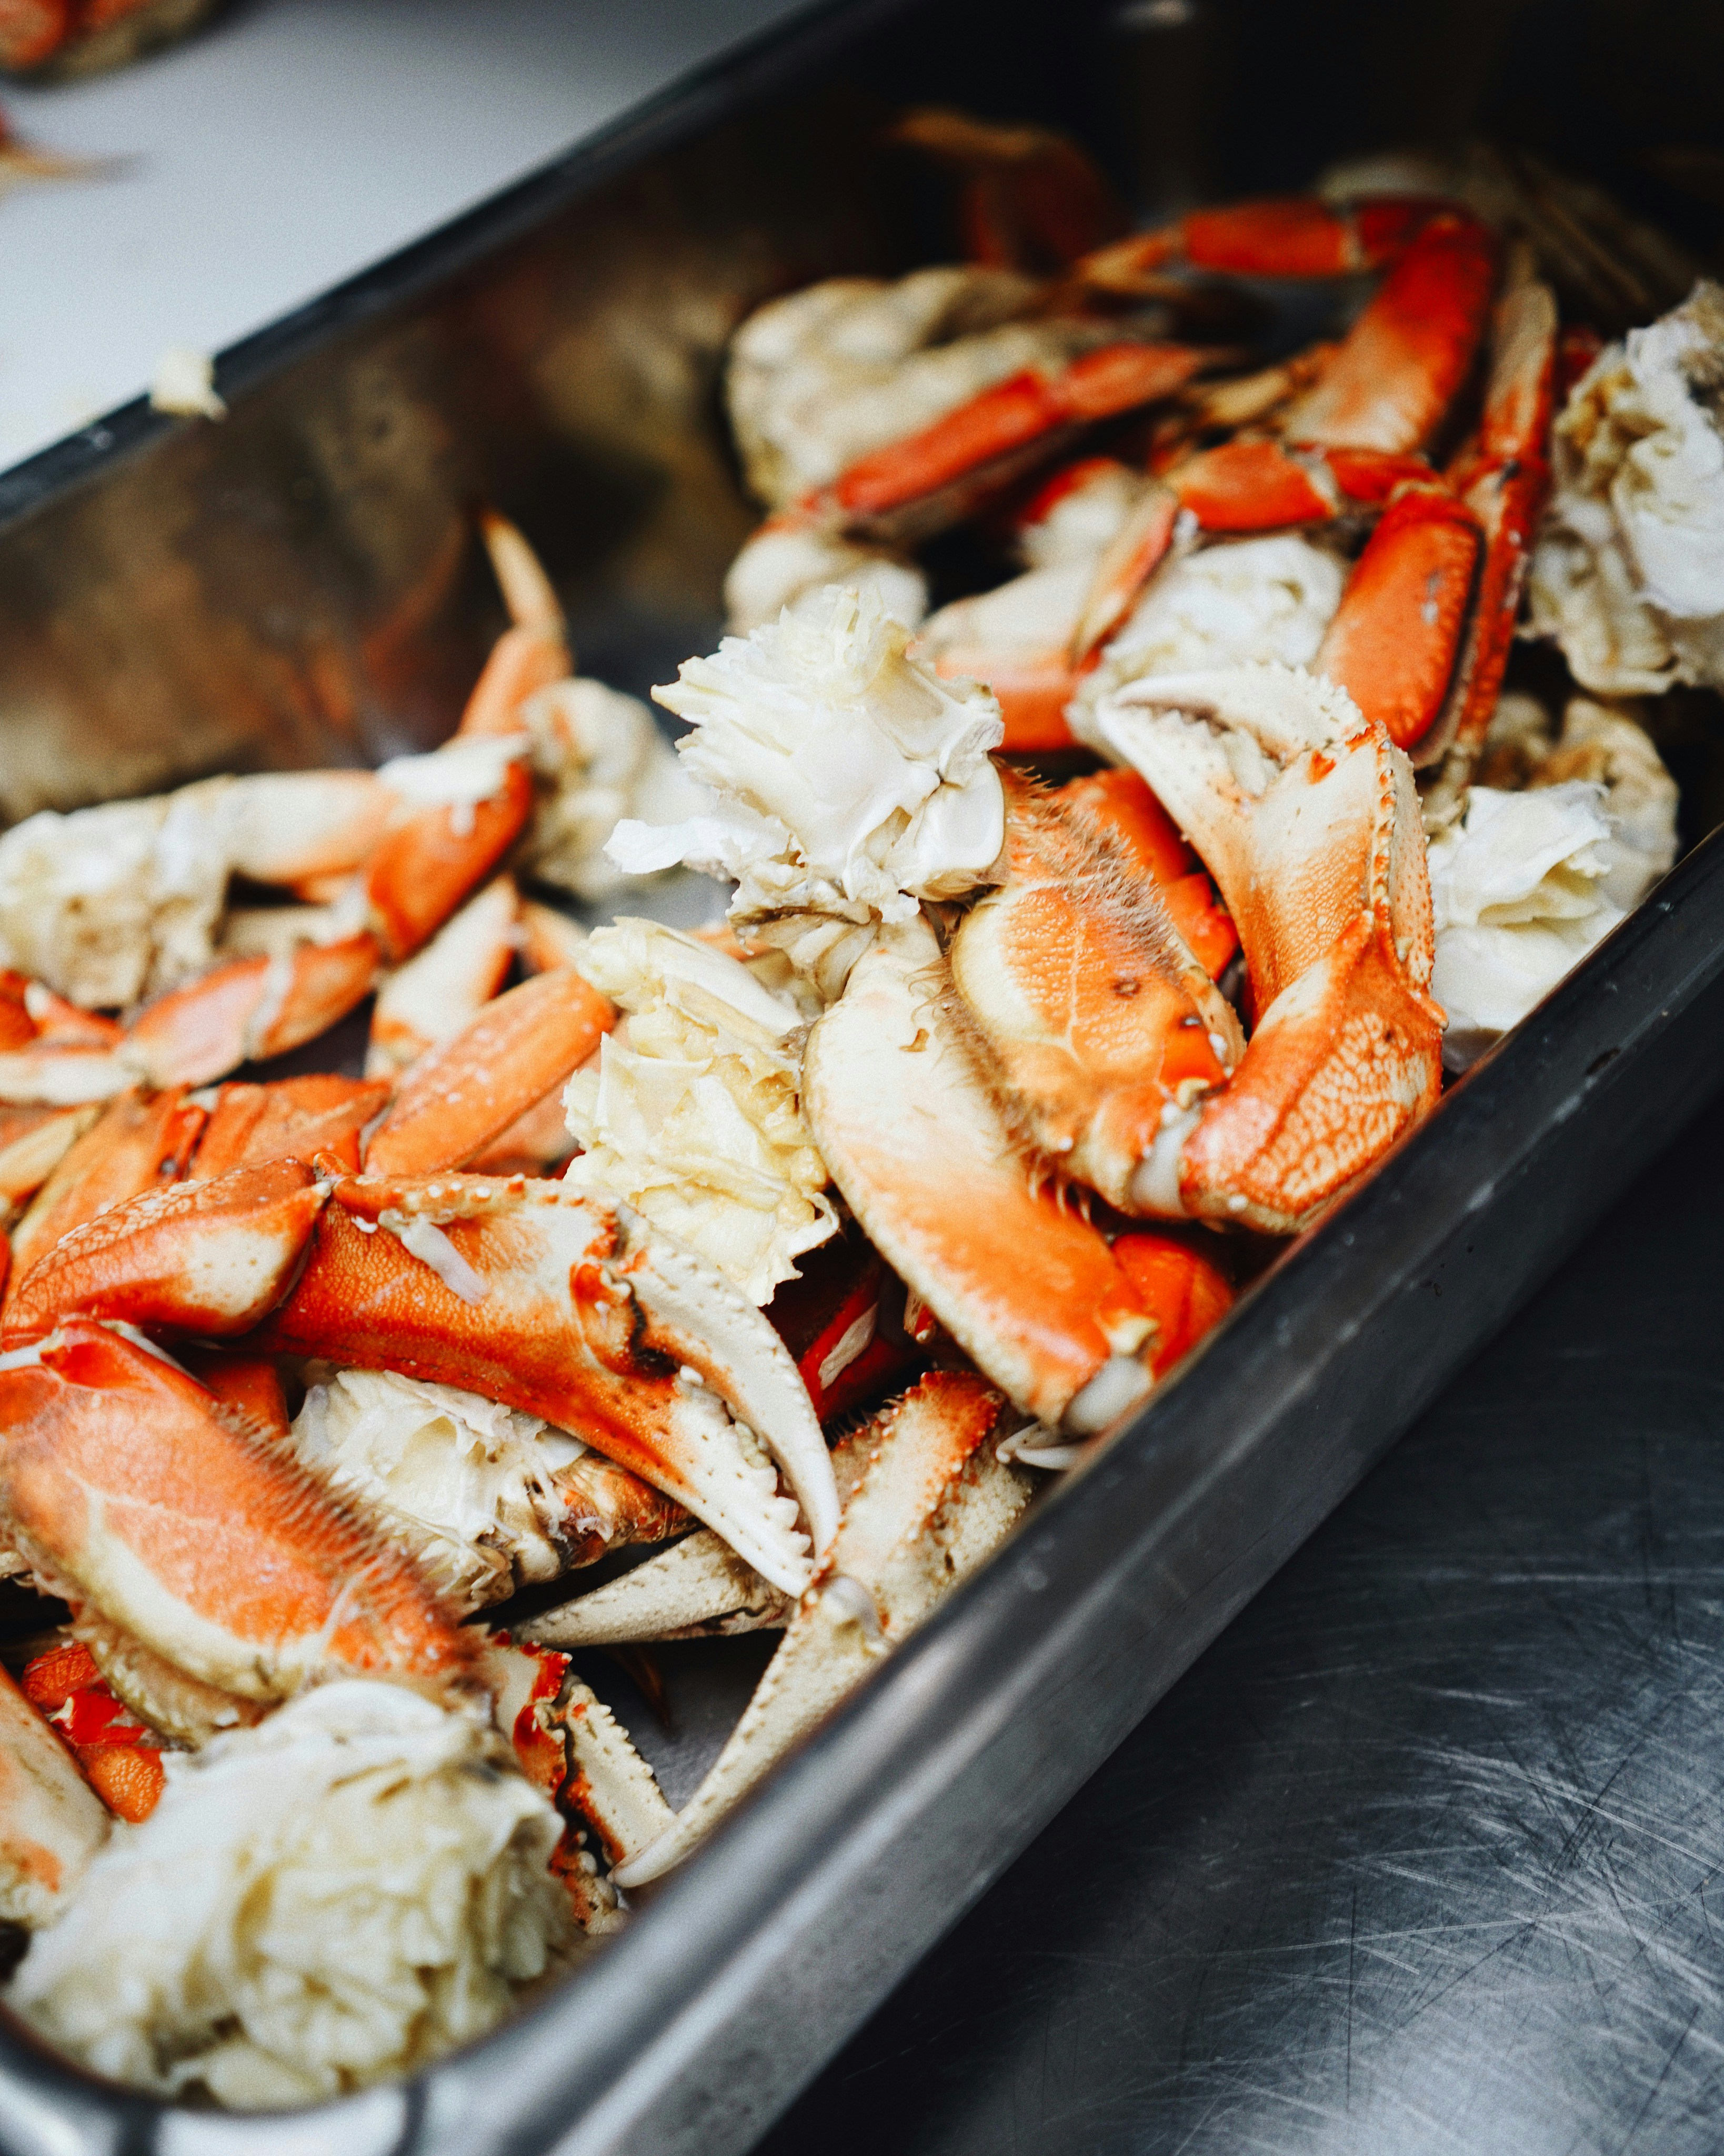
column 1422, row 1857
column 299, row 583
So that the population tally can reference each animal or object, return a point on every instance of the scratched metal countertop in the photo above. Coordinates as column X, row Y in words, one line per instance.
column 1424, row 1854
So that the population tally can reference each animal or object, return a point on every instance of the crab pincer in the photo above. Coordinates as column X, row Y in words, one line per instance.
column 129, row 1488
column 576, row 1311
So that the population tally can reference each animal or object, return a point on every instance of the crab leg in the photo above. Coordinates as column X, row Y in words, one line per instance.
column 1396, row 639
column 461, row 1096
column 1307, row 818
column 929, row 480
column 124, row 1487
column 1396, row 371
column 212, row 1258
column 1119, row 800
column 248, row 1009
column 532, row 654
column 572, row 1310
column 1292, row 236
column 289, row 1118
column 891, row 1563
column 137, row 1144
column 33, row 1141
column 447, row 982
column 901, row 1111
column 1101, row 1026
column 51, row 1821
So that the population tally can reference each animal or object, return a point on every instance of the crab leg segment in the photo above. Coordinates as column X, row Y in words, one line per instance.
column 1261, row 485
column 33, row 1141
column 1292, row 236
column 530, row 654
column 575, row 1311
column 921, row 1149
column 289, row 1118
column 138, row 1143
column 426, row 865
column 1395, row 638
column 250, row 1009
column 892, row 1562
column 989, row 437
column 123, row 1483
column 1397, row 371
column 463, row 1094
column 448, row 982
column 1122, row 804
column 1307, row 818
column 1100, row 1025
column 211, row 1257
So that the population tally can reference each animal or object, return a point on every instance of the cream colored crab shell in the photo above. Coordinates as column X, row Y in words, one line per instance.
column 342, row 1893
column 694, row 1116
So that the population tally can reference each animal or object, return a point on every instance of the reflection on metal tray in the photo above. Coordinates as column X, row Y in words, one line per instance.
column 297, row 585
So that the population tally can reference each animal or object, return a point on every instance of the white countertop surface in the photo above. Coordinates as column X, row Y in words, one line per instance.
column 283, row 148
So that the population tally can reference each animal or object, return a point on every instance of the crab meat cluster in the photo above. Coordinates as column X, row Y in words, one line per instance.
column 343, row 1892
column 845, row 778
column 1628, row 575
column 694, row 1115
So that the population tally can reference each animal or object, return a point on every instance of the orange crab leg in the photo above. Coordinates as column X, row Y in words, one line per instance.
column 33, row 1143
column 428, row 863
column 121, row 1478
column 294, row 1118
column 250, row 1384
column 210, row 1258
column 1028, row 1289
column 1292, row 236
column 460, row 1096
column 1122, row 802
column 1186, row 1295
column 247, row 1010
column 1397, row 369
column 1136, row 551
column 1395, row 639
column 1026, row 411
column 137, row 1144
column 109, row 1743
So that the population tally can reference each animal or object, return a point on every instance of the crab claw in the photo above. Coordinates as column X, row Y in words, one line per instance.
column 574, row 1310
column 212, row 1258
column 1306, row 816
column 924, row 1157
column 892, row 1561
column 128, row 1486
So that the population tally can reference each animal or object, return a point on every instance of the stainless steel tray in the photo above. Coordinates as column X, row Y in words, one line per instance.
column 297, row 585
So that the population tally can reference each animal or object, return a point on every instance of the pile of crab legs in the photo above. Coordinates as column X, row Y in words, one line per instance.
column 179, row 1242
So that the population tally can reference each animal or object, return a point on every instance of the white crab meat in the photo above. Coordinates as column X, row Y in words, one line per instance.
column 470, row 1486
column 1081, row 523
column 110, row 904
column 1232, row 604
column 342, row 1893
column 820, row 377
column 846, row 779
column 1518, row 893
column 694, row 1116
column 1628, row 573
column 596, row 756
column 788, row 558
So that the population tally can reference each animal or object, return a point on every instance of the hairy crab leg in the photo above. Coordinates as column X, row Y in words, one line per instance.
column 901, row 1111
column 891, row 1563
column 464, row 1093
column 1119, row 800
column 1307, row 818
column 1101, row 1027
column 126, row 1487
column 575, row 1311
